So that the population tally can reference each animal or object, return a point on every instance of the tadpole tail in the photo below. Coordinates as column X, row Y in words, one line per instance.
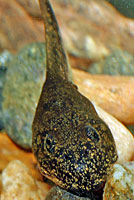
column 57, row 64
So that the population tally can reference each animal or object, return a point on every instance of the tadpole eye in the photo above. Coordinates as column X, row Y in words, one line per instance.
column 92, row 133
column 50, row 143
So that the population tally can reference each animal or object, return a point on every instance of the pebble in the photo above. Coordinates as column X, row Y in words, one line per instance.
column 119, row 62
column 120, row 184
column 24, row 79
column 57, row 193
column 108, row 92
column 5, row 58
column 18, row 183
column 9, row 152
column 124, row 140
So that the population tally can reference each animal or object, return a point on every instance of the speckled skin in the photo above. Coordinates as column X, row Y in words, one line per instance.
column 73, row 146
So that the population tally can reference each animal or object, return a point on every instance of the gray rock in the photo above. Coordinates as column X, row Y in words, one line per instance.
column 5, row 58
column 131, row 128
column 60, row 194
column 21, row 92
column 123, row 6
column 117, row 63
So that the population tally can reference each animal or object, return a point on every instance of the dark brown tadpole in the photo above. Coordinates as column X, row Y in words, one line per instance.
column 73, row 146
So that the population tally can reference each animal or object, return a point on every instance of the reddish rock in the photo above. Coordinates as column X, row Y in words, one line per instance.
column 17, row 28
column 115, row 94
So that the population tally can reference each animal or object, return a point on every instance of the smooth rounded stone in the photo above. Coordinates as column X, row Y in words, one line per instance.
column 120, row 184
column 24, row 80
column 17, row 183
column 117, row 63
column 9, row 152
column 115, row 94
column 124, row 140
column 56, row 193
column 5, row 58
column 125, row 7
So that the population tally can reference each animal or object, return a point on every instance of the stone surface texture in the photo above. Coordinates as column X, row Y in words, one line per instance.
column 120, row 184
column 114, row 94
column 117, row 63
column 9, row 152
column 124, row 7
column 24, row 79
column 5, row 58
column 56, row 193
column 123, row 138
column 17, row 183
column 131, row 128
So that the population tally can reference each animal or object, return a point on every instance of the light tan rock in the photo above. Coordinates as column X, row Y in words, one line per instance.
column 18, row 183
column 123, row 138
column 120, row 184
column 9, row 151
column 115, row 94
